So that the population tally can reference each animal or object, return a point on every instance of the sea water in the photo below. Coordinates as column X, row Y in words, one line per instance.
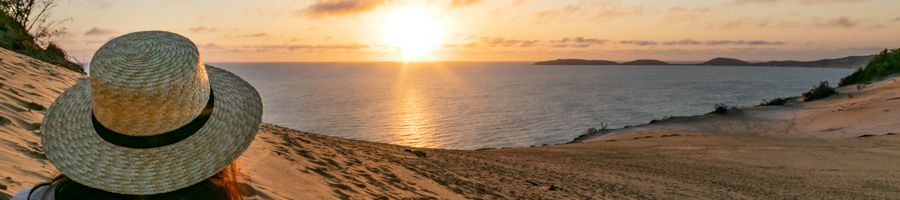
column 481, row 105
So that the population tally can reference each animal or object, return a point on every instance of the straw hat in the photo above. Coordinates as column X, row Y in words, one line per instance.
column 151, row 117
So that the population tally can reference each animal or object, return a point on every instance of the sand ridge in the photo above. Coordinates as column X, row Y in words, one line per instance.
column 27, row 87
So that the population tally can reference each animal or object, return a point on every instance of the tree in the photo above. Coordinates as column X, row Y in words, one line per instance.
column 34, row 16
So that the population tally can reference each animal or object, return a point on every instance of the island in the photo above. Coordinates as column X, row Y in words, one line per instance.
column 850, row 62
column 646, row 62
column 726, row 62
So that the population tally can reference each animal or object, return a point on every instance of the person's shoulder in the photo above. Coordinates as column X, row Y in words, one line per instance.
column 38, row 193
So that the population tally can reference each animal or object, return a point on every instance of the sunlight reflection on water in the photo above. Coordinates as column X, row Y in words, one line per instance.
column 413, row 120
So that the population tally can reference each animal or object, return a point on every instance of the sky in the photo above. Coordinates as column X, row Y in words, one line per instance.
column 495, row 30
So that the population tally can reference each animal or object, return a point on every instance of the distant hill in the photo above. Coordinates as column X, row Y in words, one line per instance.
column 726, row 62
column 852, row 62
column 646, row 62
column 845, row 62
column 576, row 62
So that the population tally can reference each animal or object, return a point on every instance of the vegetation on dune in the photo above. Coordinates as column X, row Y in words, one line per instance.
column 821, row 91
column 885, row 64
column 720, row 109
column 25, row 27
column 776, row 101
column 593, row 131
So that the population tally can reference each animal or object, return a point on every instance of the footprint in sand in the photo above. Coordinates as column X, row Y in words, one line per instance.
column 873, row 135
column 4, row 121
column 671, row 135
column 28, row 126
column 248, row 192
column 660, row 136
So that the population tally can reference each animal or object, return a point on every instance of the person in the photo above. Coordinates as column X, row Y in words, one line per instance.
column 151, row 121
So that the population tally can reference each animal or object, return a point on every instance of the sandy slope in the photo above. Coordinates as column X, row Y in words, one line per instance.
column 865, row 110
column 27, row 87
column 803, row 150
column 674, row 165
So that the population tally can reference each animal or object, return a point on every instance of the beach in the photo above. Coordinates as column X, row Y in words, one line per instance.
column 842, row 147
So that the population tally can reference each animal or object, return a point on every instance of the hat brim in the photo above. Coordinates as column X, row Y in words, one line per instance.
column 75, row 148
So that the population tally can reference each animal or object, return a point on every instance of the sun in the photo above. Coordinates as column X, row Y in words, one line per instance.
column 414, row 31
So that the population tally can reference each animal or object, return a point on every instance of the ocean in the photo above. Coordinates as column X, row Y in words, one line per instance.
column 502, row 104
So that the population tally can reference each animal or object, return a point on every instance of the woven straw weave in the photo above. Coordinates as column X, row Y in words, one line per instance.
column 147, row 83
column 74, row 147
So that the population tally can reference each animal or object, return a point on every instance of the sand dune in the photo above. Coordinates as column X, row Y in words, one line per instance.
column 27, row 87
column 664, row 164
column 802, row 150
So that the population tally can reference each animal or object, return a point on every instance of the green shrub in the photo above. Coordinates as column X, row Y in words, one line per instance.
column 603, row 127
column 720, row 109
column 885, row 64
column 821, row 91
column 15, row 38
column 54, row 51
column 776, row 101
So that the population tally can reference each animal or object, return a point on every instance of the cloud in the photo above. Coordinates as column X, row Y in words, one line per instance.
column 551, row 14
column 211, row 46
column 742, row 42
column 279, row 48
column 461, row 3
column 503, row 42
column 757, row 23
column 202, row 29
column 807, row 2
column 682, row 42
column 613, row 13
column 682, row 14
column 327, row 8
column 896, row 19
column 576, row 42
column 302, row 47
column 692, row 42
column 98, row 32
column 253, row 35
column 839, row 22
column 639, row 42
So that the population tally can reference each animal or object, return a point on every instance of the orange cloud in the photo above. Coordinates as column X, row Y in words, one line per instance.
column 616, row 13
column 202, row 29
column 326, row 8
column 639, row 42
column 551, row 14
column 839, row 22
column 576, row 42
column 98, row 32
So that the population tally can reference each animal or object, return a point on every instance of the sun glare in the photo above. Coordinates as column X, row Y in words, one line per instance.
column 414, row 31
